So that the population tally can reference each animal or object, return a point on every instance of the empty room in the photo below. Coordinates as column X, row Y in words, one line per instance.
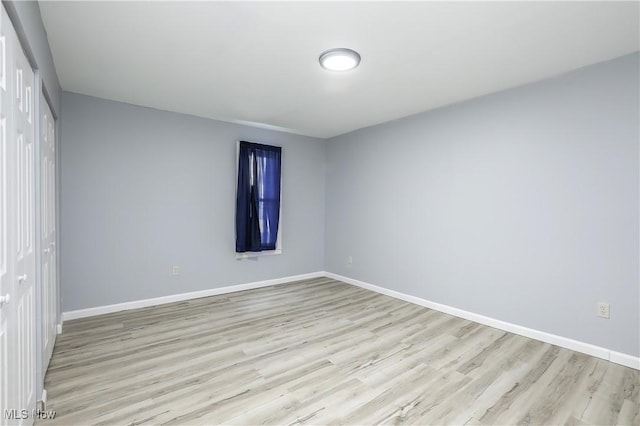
column 324, row 213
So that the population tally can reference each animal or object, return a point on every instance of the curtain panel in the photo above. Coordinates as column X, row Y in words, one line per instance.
column 258, row 197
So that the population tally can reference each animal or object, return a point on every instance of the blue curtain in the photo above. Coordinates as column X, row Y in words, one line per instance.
column 258, row 197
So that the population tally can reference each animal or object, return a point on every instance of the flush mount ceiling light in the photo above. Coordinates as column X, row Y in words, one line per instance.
column 340, row 59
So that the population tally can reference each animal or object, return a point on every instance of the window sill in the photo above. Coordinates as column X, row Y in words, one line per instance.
column 249, row 255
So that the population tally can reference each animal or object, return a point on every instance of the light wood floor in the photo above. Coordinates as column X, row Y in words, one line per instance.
column 322, row 352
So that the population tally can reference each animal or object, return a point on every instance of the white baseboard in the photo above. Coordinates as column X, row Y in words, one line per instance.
column 624, row 359
column 575, row 345
column 107, row 309
column 59, row 328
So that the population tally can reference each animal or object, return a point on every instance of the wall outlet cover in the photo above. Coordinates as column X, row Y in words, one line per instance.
column 603, row 310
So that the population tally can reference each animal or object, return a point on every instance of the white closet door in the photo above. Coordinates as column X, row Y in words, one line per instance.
column 48, row 228
column 24, row 135
column 17, row 318
column 7, row 376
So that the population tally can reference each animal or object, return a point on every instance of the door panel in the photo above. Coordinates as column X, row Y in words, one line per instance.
column 7, row 231
column 17, row 224
column 24, row 322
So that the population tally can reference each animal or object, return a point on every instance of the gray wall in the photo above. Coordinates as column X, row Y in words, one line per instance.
column 26, row 18
column 521, row 206
column 144, row 189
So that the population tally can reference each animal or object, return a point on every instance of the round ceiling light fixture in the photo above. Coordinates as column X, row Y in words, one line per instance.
column 340, row 59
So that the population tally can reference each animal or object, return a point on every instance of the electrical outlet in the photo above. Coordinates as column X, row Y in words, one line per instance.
column 349, row 260
column 603, row 310
column 175, row 270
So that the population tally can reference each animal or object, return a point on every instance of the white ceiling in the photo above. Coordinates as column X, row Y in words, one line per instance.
column 257, row 63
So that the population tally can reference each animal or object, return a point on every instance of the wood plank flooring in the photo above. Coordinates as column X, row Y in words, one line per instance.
column 322, row 352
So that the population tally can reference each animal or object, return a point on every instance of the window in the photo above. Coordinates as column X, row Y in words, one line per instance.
column 258, row 197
